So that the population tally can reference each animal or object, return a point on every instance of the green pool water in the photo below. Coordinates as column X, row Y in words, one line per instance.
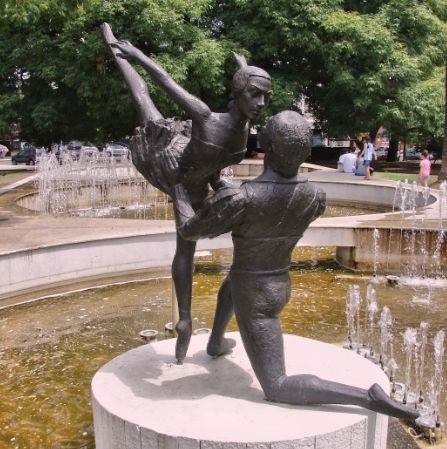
column 50, row 350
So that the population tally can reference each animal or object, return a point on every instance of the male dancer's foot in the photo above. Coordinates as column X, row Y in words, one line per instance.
column 380, row 402
column 184, row 332
column 221, row 347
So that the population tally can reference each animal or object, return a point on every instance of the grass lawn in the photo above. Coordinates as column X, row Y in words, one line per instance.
column 401, row 177
column 13, row 176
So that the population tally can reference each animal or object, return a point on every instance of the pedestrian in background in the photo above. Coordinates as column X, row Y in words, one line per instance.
column 3, row 151
column 424, row 169
column 346, row 162
column 368, row 154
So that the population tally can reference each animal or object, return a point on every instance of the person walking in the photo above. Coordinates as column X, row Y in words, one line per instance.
column 368, row 154
column 424, row 169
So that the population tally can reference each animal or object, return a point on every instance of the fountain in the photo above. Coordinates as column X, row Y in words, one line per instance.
column 386, row 335
column 420, row 361
column 366, row 336
column 409, row 242
column 100, row 187
column 415, row 387
column 95, row 186
column 352, row 313
column 424, row 256
column 437, row 380
column 410, row 346
column 371, row 310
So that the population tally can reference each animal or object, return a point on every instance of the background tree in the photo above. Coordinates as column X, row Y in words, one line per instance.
column 443, row 172
column 30, row 36
column 59, row 81
column 359, row 65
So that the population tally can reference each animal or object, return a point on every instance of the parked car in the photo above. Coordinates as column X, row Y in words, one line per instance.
column 89, row 152
column 74, row 148
column 26, row 155
column 412, row 154
column 382, row 153
column 18, row 145
column 117, row 151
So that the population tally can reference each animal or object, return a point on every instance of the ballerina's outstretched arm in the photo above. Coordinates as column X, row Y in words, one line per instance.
column 137, row 86
column 193, row 106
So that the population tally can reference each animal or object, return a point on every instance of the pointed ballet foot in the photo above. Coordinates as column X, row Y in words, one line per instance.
column 221, row 348
column 380, row 402
column 107, row 33
column 184, row 332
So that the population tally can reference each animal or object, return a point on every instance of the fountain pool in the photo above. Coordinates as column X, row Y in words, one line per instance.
column 141, row 201
column 50, row 349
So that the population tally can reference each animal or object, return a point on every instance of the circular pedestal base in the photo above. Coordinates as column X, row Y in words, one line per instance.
column 143, row 400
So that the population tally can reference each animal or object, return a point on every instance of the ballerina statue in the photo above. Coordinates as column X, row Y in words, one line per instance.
column 168, row 151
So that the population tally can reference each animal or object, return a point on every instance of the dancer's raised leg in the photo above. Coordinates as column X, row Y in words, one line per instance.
column 140, row 95
column 182, row 272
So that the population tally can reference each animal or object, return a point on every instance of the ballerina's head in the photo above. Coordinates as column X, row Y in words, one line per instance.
column 252, row 88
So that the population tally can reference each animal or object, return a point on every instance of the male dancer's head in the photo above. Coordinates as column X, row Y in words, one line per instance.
column 286, row 141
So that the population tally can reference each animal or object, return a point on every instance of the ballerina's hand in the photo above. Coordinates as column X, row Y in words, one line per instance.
column 126, row 49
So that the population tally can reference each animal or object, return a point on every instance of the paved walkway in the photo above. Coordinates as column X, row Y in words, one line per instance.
column 5, row 164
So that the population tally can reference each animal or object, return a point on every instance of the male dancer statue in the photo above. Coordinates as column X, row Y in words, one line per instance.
column 267, row 217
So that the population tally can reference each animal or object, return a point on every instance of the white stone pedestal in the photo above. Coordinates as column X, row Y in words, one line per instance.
column 143, row 400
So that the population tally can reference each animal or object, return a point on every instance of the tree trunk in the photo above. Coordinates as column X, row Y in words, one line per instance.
column 443, row 172
column 392, row 150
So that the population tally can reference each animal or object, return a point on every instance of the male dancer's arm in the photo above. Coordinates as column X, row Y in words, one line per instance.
column 217, row 214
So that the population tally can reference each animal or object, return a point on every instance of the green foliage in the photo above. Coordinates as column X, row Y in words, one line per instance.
column 419, row 109
column 358, row 64
column 59, row 81
column 355, row 62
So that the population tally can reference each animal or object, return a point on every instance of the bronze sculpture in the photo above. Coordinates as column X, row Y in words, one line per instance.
column 194, row 152
column 267, row 217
